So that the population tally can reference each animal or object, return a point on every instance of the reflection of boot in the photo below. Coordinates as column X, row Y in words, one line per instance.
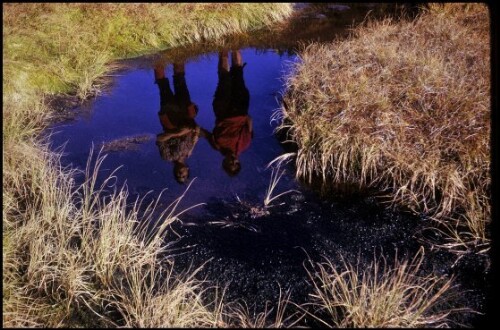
column 179, row 67
column 159, row 71
column 223, row 60
column 236, row 58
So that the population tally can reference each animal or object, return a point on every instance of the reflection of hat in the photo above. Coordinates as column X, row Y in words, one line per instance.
column 181, row 180
column 230, row 170
column 178, row 167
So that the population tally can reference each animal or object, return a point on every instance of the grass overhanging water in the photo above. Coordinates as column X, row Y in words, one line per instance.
column 403, row 106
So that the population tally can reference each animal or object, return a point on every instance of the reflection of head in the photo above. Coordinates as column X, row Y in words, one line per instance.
column 231, row 165
column 181, row 172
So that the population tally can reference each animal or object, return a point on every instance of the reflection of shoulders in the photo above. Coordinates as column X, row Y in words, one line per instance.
column 177, row 132
column 178, row 147
column 234, row 133
column 233, row 126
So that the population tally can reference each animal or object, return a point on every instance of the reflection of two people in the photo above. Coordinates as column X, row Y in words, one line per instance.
column 232, row 133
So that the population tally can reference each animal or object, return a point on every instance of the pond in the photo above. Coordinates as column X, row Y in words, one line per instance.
column 131, row 110
column 254, row 248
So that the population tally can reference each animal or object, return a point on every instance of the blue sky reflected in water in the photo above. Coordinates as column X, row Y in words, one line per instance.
column 131, row 108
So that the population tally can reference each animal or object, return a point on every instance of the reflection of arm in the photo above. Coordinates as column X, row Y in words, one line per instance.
column 210, row 138
column 205, row 133
column 250, row 125
column 165, row 121
column 169, row 135
column 192, row 111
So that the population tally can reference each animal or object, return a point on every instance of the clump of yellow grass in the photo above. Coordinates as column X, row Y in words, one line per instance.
column 379, row 295
column 83, row 256
column 404, row 106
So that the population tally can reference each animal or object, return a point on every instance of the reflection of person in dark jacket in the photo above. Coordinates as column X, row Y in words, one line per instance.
column 177, row 113
column 233, row 126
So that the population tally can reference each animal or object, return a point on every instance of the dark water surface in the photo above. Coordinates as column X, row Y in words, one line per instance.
column 254, row 250
column 131, row 109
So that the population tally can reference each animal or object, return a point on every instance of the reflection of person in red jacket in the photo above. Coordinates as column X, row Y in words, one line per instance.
column 233, row 126
column 177, row 113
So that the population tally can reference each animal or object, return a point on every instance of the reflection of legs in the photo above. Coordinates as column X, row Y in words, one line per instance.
column 223, row 61
column 240, row 97
column 236, row 58
column 221, row 103
column 179, row 67
column 163, row 85
column 180, row 87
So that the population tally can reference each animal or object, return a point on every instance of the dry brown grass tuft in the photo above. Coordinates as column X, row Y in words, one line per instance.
column 125, row 143
column 379, row 295
column 82, row 255
column 405, row 106
column 238, row 315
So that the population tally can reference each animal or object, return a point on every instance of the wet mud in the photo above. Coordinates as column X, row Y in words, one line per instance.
column 257, row 256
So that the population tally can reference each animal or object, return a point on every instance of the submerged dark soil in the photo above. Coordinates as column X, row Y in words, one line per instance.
column 254, row 250
column 258, row 255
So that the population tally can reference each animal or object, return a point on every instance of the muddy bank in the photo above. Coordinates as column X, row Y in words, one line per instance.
column 257, row 253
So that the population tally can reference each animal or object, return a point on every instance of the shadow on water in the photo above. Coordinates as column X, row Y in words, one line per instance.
column 202, row 115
